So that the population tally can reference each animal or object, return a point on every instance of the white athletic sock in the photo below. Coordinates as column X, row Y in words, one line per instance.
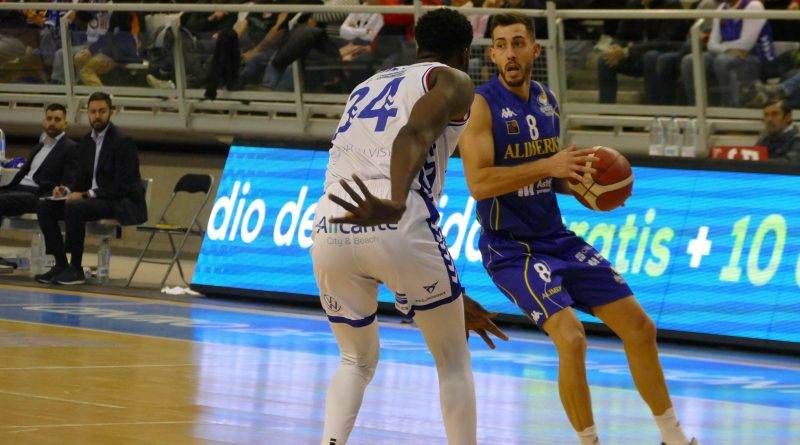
column 671, row 430
column 589, row 436
column 359, row 357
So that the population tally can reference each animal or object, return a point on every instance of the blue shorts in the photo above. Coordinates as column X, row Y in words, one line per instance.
column 544, row 276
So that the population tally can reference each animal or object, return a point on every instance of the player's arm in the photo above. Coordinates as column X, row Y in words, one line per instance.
column 448, row 99
column 485, row 180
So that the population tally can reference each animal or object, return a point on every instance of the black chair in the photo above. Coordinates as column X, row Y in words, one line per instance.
column 189, row 184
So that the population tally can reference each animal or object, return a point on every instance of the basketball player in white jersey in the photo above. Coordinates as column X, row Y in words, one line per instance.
column 393, row 141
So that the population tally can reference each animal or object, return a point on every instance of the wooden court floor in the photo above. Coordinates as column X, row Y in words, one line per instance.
column 91, row 369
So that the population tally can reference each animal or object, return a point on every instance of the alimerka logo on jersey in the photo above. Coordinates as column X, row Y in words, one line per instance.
column 531, row 148
column 325, row 227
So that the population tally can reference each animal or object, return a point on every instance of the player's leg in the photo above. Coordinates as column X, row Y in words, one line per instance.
column 638, row 333
column 358, row 348
column 534, row 282
column 443, row 329
column 418, row 267
column 597, row 288
column 350, row 301
column 566, row 332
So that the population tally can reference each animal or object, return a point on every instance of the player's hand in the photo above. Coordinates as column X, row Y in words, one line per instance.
column 369, row 210
column 478, row 319
column 571, row 163
column 793, row 6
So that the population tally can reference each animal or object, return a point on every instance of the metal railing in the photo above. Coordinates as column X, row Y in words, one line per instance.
column 182, row 112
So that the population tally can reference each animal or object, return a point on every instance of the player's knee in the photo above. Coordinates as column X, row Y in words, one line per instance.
column 363, row 363
column 645, row 332
column 572, row 344
column 642, row 332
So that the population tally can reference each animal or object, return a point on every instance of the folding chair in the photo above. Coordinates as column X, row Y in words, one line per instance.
column 189, row 183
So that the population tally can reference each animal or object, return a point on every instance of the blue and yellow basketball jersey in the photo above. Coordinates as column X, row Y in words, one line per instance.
column 523, row 132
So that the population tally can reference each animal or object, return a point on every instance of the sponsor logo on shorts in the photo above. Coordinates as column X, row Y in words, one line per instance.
column 431, row 287
column 618, row 278
column 324, row 227
column 550, row 292
column 331, row 303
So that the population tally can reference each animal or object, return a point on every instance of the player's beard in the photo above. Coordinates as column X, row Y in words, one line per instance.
column 526, row 74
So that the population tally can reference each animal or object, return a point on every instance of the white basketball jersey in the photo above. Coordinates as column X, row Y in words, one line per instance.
column 375, row 112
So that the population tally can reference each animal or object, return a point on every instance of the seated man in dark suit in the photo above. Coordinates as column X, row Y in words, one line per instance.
column 50, row 164
column 107, row 184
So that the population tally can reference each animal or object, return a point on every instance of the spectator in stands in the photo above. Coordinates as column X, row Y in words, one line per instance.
column 50, row 164
column 85, row 28
column 636, row 50
column 257, row 58
column 738, row 51
column 780, row 136
column 668, row 64
column 117, row 46
column 19, row 36
column 106, row 184
column 14, row 29
column 359, row 31
column 307, row 34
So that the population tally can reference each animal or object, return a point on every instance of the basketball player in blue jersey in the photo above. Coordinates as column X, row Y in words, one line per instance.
column 513, row 167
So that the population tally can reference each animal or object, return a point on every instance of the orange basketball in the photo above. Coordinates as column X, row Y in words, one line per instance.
column 609, row 186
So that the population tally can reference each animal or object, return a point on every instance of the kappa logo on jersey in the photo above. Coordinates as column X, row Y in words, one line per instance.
column 536, row 316
column 507, row 113
column 331, row 303
column 512, row 126
column 431, row 287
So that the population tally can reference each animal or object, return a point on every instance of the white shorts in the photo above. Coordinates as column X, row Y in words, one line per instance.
column 411, row 258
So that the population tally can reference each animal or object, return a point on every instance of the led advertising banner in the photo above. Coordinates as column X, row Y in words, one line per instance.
column 706, row 252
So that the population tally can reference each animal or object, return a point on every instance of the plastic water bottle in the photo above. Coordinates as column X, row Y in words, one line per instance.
column 689, row 145
column 2, row 146
column 37, row 254
column 103, row 261
column 672, row 147
column 656, row 137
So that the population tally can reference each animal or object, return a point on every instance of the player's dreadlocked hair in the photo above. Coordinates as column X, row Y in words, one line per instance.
column 445, row 32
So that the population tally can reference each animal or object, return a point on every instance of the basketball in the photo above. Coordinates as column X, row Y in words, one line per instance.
column 609, row 186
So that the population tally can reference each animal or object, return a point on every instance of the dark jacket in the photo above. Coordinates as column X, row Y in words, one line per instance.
column 784, row 146
column 119, row 43
column 646, row 35
column 58, row 168
column 118, row 177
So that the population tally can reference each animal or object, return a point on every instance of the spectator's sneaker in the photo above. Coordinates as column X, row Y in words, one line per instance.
column 47, row 277
column 155, row 82
column 69, row 276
